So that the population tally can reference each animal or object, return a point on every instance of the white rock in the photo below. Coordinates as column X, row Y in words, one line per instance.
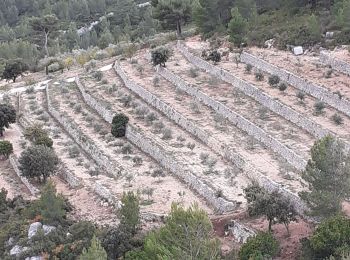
column 47, row 229
column 329, row 35
column 298, row 50
column 17, row 250
column 269, row 43
column 10, row 242
column 33, row 229
column 34, row 258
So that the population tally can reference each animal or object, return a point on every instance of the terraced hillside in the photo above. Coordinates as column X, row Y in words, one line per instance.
column 198, row 132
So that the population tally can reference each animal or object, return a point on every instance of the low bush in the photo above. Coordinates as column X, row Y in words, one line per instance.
column 319, row 107
column 119, row 123
column 214, row 56
column 6, row 148
column 98, row 75
column 160, row 56
column 301, row 95
column 274, row 80
column 282, row 87
column 337, row 119
column 259, row 76
column 262, row 246
column 248, row 68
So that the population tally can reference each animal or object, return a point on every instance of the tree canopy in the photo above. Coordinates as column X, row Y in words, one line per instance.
column 185, row 235
column 328, row 176
column 38, row 162
column 7, row 117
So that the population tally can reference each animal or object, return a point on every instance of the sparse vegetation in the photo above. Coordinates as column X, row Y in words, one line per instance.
column 337, row 119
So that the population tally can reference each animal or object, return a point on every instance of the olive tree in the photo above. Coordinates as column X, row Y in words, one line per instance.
column 7, row 116
column 276, row 208
column 6, row 148
column 38, row 162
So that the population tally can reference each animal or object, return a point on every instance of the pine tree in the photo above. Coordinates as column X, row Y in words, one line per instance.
column 328, row 176
column 237, row 27
column 94, row 252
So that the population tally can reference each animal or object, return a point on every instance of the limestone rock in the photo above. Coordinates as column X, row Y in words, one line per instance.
column 17, row 250
column 270, row 43
column 33, row 229
column 298, row 50
column 34, row 258
column 47, row 229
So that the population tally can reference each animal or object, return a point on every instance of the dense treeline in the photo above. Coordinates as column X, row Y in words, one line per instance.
column 31, row 29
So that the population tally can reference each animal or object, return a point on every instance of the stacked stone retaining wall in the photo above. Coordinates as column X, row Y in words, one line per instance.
column 228, row 152
column 319, row 92
column 63, row 170
column 337, row 64
column 14, row 163
column 163, row 157
column 259, row 134
column 111, row 167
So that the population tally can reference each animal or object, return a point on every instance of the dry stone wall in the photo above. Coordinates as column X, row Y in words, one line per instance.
column 168, row 161
column 337, row 64
column 14, row 163
column 163, row 157
column 103, row 160
column 93, row 103
column 63, row 170
column 319, row 92
column 228, row 152
column 259, row 134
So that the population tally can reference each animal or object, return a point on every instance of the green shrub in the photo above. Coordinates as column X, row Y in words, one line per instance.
column 263, row 246
column 319, row 107
column 274, row 80
column 6, row 148
column 331, row 237
column 259, row 76
column 98, row 75
column 282, row 87
column 38, row 136
column 160, row 56
column 337, row 119
column 301, row 95
column 214, row 56
column 248, row 68
column 119, row 123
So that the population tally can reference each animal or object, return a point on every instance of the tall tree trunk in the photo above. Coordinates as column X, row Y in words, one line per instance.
column 270, row 225
column 178, row 27
column 46, row 41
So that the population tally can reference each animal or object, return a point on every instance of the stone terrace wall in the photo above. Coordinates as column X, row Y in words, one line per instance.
column 14, row 163
column 84, row 142
column 63, row 170
column 165, row 159
column 227, row 152
column 310, row 88
column 241, row 122
column 156, row 102
column 93, row 103
column 272, row 104
column 68, row 176
column 337, row 64
column 168, row 161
